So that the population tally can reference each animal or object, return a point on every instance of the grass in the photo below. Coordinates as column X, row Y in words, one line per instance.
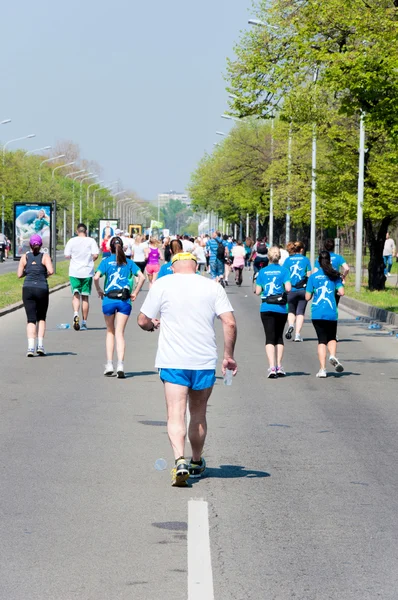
column 387, row 299
column 11, row 286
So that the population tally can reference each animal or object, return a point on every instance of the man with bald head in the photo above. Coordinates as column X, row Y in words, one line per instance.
column 187, row 354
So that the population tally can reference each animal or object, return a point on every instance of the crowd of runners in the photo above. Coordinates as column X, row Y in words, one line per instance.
column 282, row 277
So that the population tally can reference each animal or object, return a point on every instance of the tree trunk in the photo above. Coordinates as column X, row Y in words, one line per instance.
column 377, row 279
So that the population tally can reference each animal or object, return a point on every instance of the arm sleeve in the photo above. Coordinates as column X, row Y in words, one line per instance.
column 222, row 304
column 152, row 303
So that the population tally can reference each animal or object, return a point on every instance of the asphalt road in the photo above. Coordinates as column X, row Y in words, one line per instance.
column 302, row 481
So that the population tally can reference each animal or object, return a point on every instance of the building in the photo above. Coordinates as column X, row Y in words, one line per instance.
column 164, row 199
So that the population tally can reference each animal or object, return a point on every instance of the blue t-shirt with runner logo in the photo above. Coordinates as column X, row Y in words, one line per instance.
column 298, row 266
column 118, row 277
column 336, row 259
column 272, row 279
column 324, row 289
column 165, row 269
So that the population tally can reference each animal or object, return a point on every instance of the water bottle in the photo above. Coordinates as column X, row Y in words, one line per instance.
column 63, row 326
column 160, row 464
column 228, row 377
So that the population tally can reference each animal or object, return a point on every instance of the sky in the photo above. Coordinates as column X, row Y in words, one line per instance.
column 137, row 85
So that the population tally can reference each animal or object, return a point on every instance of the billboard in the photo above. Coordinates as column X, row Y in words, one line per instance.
column 133, row 229
column 29, row 219
column 107, row 227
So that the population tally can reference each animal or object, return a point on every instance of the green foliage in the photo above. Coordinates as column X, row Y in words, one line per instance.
column 176, row 216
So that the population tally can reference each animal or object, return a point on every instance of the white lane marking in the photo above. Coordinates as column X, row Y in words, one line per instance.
column 200, row 574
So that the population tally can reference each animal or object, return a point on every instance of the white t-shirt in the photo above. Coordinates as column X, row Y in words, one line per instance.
column 187, row 245
column 127, row 244
column 81, row 250
column 137, row 252
column 199, row 252
column 188, row 305
column 284, row 256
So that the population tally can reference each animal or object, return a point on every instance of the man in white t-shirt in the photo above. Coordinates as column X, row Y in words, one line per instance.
column 82, row 252
column 187, row 245
column 188, row 305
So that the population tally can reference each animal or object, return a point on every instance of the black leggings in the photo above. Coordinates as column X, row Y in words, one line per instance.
column 35, row 301
column 325, row 330
column 297, row 302
column 274, row 324
column 141, row 265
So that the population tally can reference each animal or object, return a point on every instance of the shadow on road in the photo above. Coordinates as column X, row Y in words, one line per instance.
column 61, row 354
column 232, row 472
column 296, row 373
column 371, row 360
column 140, row 373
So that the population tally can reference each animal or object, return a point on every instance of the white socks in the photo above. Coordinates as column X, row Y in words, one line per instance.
column 31, row 343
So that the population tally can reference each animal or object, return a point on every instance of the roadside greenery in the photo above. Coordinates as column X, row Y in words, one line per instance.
column 311, row 67
column 11, row 286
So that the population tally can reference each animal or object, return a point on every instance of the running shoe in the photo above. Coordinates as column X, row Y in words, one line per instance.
column 40, row 351
column 83, row 326
column 180, row 473
column 280, row 371
column 30, row 353
column 196, row 469
column 272, row 373
column 76, row 324
column 289, row 331
column 222, row 282
column 108, row 370
column 226, row 282
column 298, row 338
column 322, row 373
column 336, row 363
column 120, row 371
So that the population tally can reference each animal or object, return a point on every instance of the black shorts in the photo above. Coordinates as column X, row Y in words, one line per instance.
column 274, row 324
column 297, row 302
column 35, row 301
column 325, row 330
column 141, row 265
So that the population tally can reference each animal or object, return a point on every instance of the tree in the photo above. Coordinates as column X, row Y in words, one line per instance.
column 351, row 46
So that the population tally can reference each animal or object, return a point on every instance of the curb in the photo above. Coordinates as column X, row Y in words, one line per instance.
column 375, row 313
column 18, row 305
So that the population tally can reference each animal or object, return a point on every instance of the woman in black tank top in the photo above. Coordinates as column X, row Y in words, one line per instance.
column 35, row 267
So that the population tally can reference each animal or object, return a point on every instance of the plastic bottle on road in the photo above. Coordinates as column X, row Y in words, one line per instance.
column 228, row 377
column 63, row 326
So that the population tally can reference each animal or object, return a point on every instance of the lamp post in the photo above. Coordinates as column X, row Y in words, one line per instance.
column 49, row 160
column 361, row 185
column 114, row 201
column 73, row 201
column 91, row 185
column 122, row 212
column 25, row 137
column 105, row 187
column 37, row 150
column 62, row 167
column 86, row 177
column 5, row 121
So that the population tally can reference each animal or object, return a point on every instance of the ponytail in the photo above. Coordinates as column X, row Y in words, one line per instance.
column 117, row 248
column 35, row 249
column 326, row 265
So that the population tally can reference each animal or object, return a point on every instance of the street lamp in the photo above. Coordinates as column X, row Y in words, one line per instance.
column 120, row 210
column 25, row 137
column 91, row 185
column 114, row 201
column 62, row 167
column 361, row 185
column 88, row 176
column 5, row 121
column 49, row 160
column 37, row 150
column 78, row 173
column 220, row 133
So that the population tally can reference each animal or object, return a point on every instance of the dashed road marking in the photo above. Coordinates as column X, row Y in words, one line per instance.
column 200, row 574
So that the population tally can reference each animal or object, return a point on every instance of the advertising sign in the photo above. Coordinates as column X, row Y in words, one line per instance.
column 28, row 220
column 107, row 228
column 133, row 229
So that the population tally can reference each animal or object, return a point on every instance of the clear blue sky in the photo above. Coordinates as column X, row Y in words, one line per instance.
column 138, row 85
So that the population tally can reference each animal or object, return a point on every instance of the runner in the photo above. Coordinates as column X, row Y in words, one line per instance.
column 175, row 248
column 188, row 305
column 272, row 284
column 127, row 244
column 217, row 254
column 323, row 284
column 153, row 256
column 228, row 243
column 248, row 245
column 187, row 244
column 199, row 252
column 299, row 267
column 36, row 267
column 106, row 251
column 239, row 255
column 259, row 255
column 166, row 249
column 138, row 252
column 116, row 300
column 82, row 251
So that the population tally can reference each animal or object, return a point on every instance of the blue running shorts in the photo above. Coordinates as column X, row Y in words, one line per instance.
column 194, row 380
column 111, row 306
